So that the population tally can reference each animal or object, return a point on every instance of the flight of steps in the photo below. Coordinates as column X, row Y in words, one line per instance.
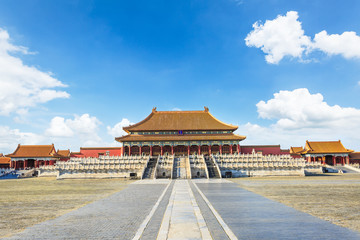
column 179, row 168
column 212, row 170
column 149, row 172
column 345, row 169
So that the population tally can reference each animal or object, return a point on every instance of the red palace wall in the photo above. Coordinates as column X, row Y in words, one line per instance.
column 95, row 152
column 354, row 157
column 265, row 149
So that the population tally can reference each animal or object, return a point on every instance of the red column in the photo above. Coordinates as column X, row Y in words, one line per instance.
column 25, row 164
column 231, row 150
column 162, row 150
column 172, row 150
column 334, row 160
column 188, row 150
column 199, row 150
column 129, row 150
column 140, row 150
column 220, row 149
column 122, row 151
column 238, row 148
column 209, row 150
column 151, row 150
column 347, row 160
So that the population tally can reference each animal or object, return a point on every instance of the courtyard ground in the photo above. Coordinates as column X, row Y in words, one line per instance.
column 332, row 197
column 25, row 202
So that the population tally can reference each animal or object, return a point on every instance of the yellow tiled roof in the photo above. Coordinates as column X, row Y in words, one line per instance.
column 325, row 147
column 34, row 151
column 5, row 160
column 296, row 150
column 64, row 153
column 179, row 120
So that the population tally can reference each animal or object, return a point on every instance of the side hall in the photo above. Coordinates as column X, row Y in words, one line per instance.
column 326, row 152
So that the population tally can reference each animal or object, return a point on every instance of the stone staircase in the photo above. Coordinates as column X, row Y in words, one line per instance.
column 179, row 168
column 345, row 169
column 149, row 172
column 212, row 170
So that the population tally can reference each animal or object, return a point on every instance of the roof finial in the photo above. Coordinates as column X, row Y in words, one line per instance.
column 154, row 109
column 206, row 109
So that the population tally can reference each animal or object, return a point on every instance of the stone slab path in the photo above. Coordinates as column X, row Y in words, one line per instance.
column 182, row 209
column 252, row 216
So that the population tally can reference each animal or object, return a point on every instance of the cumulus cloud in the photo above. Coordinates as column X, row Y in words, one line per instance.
column 299, row 115
column 280, row 37
column 346, row 44
column 117, row 130
column 81, row 129
column 23, row 86
column 301, row 109
column 59, row 128
column 284, row 36
column 10, row 138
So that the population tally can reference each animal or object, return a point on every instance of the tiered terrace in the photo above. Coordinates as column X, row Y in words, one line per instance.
column 255, row 164
column 101, row 167
column 164, row 166
column 198, row 166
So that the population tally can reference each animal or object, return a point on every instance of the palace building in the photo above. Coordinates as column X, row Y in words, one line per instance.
column 33, row 156
column 180, row 133
column 326, row 152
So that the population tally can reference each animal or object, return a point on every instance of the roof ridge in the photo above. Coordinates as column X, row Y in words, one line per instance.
column 36, row 145
column 185, row 111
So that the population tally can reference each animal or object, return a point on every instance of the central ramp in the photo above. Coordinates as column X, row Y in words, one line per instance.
column 180, row 168
column 183, row 219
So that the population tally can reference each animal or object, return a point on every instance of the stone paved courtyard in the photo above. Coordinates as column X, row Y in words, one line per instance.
column 182, row 209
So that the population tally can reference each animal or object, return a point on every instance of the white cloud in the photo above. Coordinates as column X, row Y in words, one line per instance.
column 66, row 133
column 79, row 131
column 80, row 125
column 280, row 37
column 117, row 130
column 284, row 36
column 300, row 115
column 59, row 128
column 301, row 109
column 10, row 138
column 23, row 86
column 347, row 44
column 84, row 124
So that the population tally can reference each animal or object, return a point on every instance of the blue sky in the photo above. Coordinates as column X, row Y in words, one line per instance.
column 112, row 61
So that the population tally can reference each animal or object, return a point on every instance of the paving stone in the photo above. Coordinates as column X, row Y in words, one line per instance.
column 216, row 231
column 249, row 215
column 115, row 217
column 252, row 216
column 152, row 229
